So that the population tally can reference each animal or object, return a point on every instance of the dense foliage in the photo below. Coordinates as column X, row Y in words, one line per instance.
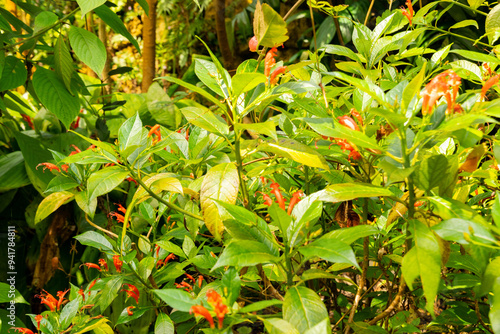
column 351, row 189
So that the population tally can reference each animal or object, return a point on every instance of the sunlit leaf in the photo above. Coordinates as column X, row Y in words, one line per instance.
column 268, row 26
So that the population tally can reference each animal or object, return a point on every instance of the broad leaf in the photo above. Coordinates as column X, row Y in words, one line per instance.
column 296, row 151
column 492, row 25
column 205, row 119
column 495, row 307
column 51, row 203
column 268, row 26
column 429, row 173
column 115, row 23
column 87, row 205
column 279, row 326
column 220, row 183
column 304, row 309
column 43, row 20
column 350, row 234
column 95, row 240
column 423, row 260
column 158, row 183
column 55, row 97
column 110, row 292
column 208, row 74
column 267, row 128
column 63, row 63
column 88, row 5
column 477, row 56
column 130, row 132
column 69, row 312
column 413, row 88
column 175, row 298
column 12, row 171
column 333, row 251
column 125, row 317
column 14, row 73
column 164, row 324
column 88, row 48
column 245, row 253
column 260, row 305
column 490, row 277
column 243, row 82
column 342, row 192
column 105, row 180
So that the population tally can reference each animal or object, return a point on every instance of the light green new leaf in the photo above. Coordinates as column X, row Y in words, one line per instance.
column 51, row 203
column 267, row 128
column 105, row 180
column 279, row 326
column 130, row 132
column 88, row 48
column 296, row 151
column 495, row 211
column 144, row 4
column 475, row 4
column 413, row 88
column 495, row 308
column 448, row 208
column 87, row 206
column 477, row 56
column 465, row 23
column 490, row 277
column 96, row 240
column 175, row 298
column 260, row 305
column 220, row 183
column 164, row 324
column 205, row 119
column 158, row 183
column 492, row 24
column 243, row 82
column 268, row 26
column 112, row 20
column 245, row 253
column 12, row 171
column 333, row 251
column 338, row 50
column 304, row 309
column 99, row 327
column 207, row 72
column 423, row 260
column 88, row 5
column 55, row 97
column 63, row 63
column 350, row 234
column 5, row 298
column 342, row 192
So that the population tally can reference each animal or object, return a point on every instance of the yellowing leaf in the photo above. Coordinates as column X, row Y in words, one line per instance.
column 268, row 26
column 158, row 183
column 492, row 24
column 221, row 183
column 473, row 158
column 51, row 203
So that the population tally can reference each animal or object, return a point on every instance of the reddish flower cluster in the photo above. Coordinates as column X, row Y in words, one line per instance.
column 345, row 145
column 275, row 190
column 49, row 166
column 22, row 330
column 161, row 263
column 445, row 84
column 156, row 131
column 269, row 62
column 103, row 264
column 217, row 304
column 129, row 310
column 53, row 303
column 118, row 263
column 488, row 84
column 408, row 13
column 119, row 217
column 28, row 120
column 132, row 291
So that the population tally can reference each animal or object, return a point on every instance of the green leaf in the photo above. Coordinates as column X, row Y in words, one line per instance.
column 51, row 203
column 96, row 240
column 158, row 183
column 12, row 171
column 231, row 285
column 490, row 277
column 162, row 108
column 115, row 23
column 245, row 253
column 492, row 24
column 324, row 248
column 175, row 298
column 208, row 74
column 171, row 247
column 205, row 119
column 125, row 317
column 267, row 128
column 476, row 56
column 14, row 74
column 448, row 208
column 260, row 305
column 413, row 88
column 465, row 23
column 339, row 131
column 5, row 297
column 144, row 4
column 280, row 219
column 69, row 312
column 130, row 133
column 429, row 173
column 110, row 292
column 495, row 307
column 279, row 326
column 348, row 191
column 88, row 206
column 55, row 97
column 475, row 4
column 495, row 211
column 220, row 183
column 88, row 5
column 88, row 48
column 268, row 26
column 423, row 260
column 296, row 151
column 164, row 324
column 223, row 73
column 454, row 229
column 63, row 63
column 350, row 234
column 44, row 20
column 304, row 309
column 244, row 82
column 105, row 180
column 338, row 50
column 305, row 216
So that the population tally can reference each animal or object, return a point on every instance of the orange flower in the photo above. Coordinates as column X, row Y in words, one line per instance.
column 200, row 310
column 356, row 114
column 488, row 84
column 103, row 263
column 22, row 330
column 91, row 285
column 130, row 179
column 61, row 300
column 65, row 168
column 267, row 200
column 129, row 310
column 215, row 300
column 48, row 300
column 276, row 191
column 408, row 13
column 119, row 218
column 48, row 165
column 295, row 199
column 82, row 293
column 347, row 146
column 269, row 61
column 200, row 281
column 445, row 84
column 118, row 263
column 348, row 122
column 121, row 208
column 38, row 320
column 77, row 150
column 191, row 278
column 253, row 44
column 28, row 120
column 132, row 291
column 155, row 130
column 276, row 72
column 91, row 265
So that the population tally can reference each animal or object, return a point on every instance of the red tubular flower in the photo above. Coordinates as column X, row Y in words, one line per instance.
column 358, row 117
column 82, row 293
column 119, row 218
column 200, row 310
column 215, row 300
column 348, row 122
column 121, row 208
column 347, row 146
column 200, row 281
column 76, row 123
column 155, row 130
column 170, row 256
column 28, row 120
column 91, row 285
column 295, row 199
column 488, row 84
column 267, row 200
column 38, row 319
column 22, row 330
column 220, row 311
column 61, row 300
column 130, row 179
column 276, row 191
column 213, row 297
column 253, row 44
column 269, row 61
column 103, row 263
column 444, row 84
column 129, row 310
column 49, row 166
column 408, row 13
column 65, row 168
column 118, row 263
column 91, row 265
column 276, row 72
column 77, row 150
column 132, row 291
column 48, row 299
column 191, row 278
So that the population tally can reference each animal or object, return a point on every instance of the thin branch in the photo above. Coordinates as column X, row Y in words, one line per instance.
column 100, row 228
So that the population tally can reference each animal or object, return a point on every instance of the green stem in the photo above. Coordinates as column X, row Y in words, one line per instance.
column 289, row 270
column 459, row 36
column 239, row 165
column 465, row 6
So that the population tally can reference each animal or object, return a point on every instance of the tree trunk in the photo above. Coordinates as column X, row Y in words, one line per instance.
column 149, row 46
column 220, row 26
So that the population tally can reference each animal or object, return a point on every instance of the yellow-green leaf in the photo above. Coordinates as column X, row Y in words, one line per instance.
column 267, row 128
column 51, row 203
column 220, row 183
column 492, row 25
column 205, row 119
column 158, row 183
column 268, row 26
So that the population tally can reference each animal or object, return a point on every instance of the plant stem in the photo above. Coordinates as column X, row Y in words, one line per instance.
column 369, row 12
column 289, row 270
column 465, row 6
column 239, row 165
column 459, row 36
